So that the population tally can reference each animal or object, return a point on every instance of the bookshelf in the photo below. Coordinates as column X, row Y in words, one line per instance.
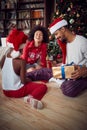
column 24, row 14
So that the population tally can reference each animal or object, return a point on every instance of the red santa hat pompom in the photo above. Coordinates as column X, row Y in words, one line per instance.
column 16, row 39
column 57, row 24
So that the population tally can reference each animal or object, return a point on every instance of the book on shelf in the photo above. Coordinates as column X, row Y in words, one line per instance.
column 37, row 13
column 2, row 15
column 24, row 14
column 31, row 0
column 37, row 5
column 1, row 25
column 27, row 23
column 24, row 24
column 11, row 24
column 13, row 15
column 37, row 22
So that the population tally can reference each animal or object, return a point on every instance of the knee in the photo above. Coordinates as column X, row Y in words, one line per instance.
column 69, row 94
column 43, row 88
column 69, row 91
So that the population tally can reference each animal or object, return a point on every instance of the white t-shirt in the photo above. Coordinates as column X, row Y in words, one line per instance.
column 10, row 80
column 77, row 51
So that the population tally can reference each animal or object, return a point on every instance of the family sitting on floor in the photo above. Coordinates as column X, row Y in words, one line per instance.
column 25, row 62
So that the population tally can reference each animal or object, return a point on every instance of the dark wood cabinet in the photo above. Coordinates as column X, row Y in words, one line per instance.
column 24, row 14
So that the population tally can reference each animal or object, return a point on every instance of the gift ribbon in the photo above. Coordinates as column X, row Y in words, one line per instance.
column 63, row 72
column 63, row 69
column 72, row 63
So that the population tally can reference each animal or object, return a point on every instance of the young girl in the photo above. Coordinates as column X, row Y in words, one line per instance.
column 35, row 51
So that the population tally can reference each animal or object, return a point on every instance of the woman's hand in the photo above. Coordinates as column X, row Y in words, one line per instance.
column 38, row 67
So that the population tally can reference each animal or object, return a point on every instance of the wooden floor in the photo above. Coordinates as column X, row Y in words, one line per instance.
column 60, row 112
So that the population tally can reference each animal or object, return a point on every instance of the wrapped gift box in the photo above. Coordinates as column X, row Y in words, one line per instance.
column 63, row 72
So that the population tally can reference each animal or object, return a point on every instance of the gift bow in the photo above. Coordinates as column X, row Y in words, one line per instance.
column 63, row 69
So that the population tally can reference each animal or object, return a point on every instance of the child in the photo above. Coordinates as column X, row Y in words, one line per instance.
column 14, row 81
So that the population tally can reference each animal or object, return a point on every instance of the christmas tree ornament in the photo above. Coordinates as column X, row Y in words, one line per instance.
column 69, row 9
column 77, row 15
column 71, row 21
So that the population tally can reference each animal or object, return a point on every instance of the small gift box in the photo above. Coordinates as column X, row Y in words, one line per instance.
column 63, row 72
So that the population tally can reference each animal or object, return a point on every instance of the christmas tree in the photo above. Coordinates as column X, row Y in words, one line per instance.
column 75, row 12
column 54, row 50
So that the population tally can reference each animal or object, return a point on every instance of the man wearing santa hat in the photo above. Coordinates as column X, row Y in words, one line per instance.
column 76, row 52
column 14, row 81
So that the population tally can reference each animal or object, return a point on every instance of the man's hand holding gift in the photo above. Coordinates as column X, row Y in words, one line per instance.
column 80, row 71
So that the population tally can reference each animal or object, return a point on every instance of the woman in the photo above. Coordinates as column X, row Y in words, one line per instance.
column 35, row 51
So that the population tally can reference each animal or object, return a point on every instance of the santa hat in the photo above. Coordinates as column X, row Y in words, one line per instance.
column 16, row 39
column 57, row 24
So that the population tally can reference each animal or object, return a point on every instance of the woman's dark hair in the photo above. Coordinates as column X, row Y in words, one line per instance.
column 43, row 30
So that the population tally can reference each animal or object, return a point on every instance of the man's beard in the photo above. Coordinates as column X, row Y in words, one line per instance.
column 64, row 40
column 15, row 54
